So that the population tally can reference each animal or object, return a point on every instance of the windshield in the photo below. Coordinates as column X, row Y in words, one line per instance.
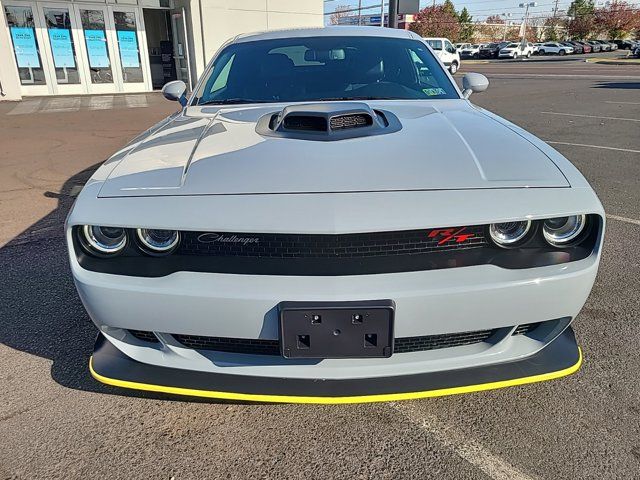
column 324, row 68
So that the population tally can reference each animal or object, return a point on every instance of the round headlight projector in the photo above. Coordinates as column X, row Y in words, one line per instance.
column 158, row 241
column 562, row 230
column 107, row 240
column 509, row 233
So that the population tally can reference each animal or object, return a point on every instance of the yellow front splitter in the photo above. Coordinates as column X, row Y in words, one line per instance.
column 124, row 371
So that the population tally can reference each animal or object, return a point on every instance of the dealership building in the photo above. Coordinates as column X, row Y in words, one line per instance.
column 73, row 47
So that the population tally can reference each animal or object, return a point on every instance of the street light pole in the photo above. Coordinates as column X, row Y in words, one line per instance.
column 524, row 20
column 393, row 13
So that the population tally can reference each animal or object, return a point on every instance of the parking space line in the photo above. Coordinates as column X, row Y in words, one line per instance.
column 460, row 443
column 593, row 146
column 624, row 219
column 592, row 116
column 624, row 103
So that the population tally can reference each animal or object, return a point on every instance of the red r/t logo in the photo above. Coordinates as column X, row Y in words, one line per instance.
column 450, row 234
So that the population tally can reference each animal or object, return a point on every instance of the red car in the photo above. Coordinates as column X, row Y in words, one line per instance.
column 586, row 47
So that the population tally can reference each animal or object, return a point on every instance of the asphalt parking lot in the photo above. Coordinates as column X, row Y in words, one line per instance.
column 57, row 422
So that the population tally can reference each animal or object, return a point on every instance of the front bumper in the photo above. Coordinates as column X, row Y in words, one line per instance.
column 109, row 365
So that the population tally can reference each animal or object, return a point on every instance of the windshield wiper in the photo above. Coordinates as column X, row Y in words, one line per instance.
column 337, row 99
column 233, row 101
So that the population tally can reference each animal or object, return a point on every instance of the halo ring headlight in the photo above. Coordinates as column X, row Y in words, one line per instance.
column 508, row 234
column 105, row 240
column 561, row 231
column 158, row 241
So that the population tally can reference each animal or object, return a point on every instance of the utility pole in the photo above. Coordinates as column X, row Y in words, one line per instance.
column 359, row 12
column 393, row 13
column 382, row 13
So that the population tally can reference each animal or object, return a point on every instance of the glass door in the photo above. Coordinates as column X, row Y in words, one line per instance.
column 181, row 46
column 132, row 63
column 27, row 42
column 62, row 39
column 98, row 50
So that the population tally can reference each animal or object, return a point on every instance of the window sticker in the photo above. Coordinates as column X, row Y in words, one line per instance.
column 24, row 44
column 61, row 48
column 97, row 48
column 128, row 43
column 432, row 92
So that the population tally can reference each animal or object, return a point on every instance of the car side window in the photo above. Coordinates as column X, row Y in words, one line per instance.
column 435, row 44
column 448, row 47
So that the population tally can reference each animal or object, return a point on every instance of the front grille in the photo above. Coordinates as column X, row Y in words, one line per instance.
column 526, row 328
column 272, row 347
column 433, row 342
column 356, row 245
column 144, row 336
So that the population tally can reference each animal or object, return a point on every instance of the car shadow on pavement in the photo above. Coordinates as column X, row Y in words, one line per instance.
column 619, row 85
column 40, row 311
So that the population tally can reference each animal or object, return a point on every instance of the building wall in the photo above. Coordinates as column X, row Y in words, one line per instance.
column 221, row 20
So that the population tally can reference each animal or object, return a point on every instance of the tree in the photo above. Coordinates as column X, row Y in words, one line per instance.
column 467, row 28
column 436, row 21
column 551, row 25
column 581, row 19
column 493, row 28
column 618, row 19
column 450, row 7
column 338, row 13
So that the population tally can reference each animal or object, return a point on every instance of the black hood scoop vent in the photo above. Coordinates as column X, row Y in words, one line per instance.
column 328, row 121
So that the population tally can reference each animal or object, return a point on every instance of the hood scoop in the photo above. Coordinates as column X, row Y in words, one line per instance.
column 327, row 121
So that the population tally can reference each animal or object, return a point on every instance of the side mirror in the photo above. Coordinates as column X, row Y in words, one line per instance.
column 176, row 92
column 474, row 83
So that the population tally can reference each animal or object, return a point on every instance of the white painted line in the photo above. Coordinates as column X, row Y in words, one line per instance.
column 460, row 443
column 25, row 107
column 591, row 116
column 593, row 146
column 624, row 103
column 564, row 75
column 624, row 219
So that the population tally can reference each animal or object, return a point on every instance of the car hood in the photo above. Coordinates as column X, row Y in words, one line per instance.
column 442, row 145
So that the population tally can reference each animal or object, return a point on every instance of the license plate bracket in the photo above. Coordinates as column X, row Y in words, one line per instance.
column 361, row 329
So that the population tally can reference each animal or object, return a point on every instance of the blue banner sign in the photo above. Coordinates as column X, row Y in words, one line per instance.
column 97, row 48
column 61, row 48
column 128, row 42
column 24, row 44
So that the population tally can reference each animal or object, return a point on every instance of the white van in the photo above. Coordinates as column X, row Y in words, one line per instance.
column 446, row 52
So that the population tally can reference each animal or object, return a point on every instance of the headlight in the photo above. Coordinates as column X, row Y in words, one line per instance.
column 562, row 230
column 107, row 240
column 509, row 233
column 158, row 241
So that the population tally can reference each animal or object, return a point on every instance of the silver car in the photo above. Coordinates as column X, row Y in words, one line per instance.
column 327, row 218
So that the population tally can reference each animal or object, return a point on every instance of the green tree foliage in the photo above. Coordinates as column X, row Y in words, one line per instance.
column 436, row 21
column 467, row 28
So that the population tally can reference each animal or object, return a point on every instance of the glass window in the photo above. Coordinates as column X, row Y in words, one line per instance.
column 25, row 45
column 435, row 44
column 62, row 49
column 325, row 68
column 95, row 38
column 128, row 46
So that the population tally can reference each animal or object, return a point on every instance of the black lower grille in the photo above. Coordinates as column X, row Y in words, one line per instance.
column 144, row 336
column 526, row 328
column 272, row 347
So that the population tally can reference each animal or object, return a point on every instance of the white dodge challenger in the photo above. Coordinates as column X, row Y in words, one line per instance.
column 327, row 218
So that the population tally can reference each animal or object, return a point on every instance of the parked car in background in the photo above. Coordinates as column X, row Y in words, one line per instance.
column 515, row 50
column 577, row 48
column 536, row 47
column 614, row 45
column 472, row 51
column 586, row 47
column 555, row 48
column 446, row 52
column 626, row 44
column 461, row 46
column 606, row 46
column 492, row 50
column 595, row 46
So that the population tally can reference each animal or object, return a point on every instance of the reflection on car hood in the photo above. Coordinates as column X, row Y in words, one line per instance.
column 445, row 144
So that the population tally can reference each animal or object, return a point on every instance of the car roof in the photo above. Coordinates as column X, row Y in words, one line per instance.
column 333, row 31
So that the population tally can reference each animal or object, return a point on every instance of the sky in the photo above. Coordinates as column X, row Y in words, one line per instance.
column 479, row 9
